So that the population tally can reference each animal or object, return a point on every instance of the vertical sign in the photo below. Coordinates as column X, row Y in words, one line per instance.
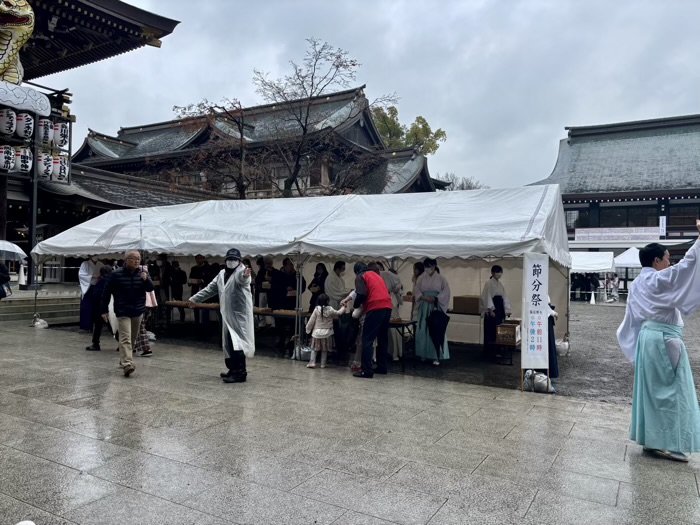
column 534, row 346
column 662, row 225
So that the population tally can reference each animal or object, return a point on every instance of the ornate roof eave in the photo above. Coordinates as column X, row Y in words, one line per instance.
column 631, row 196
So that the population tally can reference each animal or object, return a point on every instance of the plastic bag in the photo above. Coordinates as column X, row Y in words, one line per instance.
column 537, row 382
column 39, row 322
column 562, row 347
column 151, row 336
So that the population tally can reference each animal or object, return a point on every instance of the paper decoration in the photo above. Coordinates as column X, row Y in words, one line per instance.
column 25, row 125
column 61, row 168
column 45, row 132
column 7, row 158
column 45, row 161
column 61, row 134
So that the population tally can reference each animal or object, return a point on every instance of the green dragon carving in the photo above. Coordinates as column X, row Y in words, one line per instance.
column 16, row 26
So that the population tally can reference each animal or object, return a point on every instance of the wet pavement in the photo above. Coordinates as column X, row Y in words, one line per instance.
column 79, row 443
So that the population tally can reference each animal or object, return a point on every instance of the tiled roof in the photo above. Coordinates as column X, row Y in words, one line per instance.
column 403, row 168
column 651, row 155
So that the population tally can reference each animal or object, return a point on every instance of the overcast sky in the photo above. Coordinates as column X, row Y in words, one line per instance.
column 502, row 78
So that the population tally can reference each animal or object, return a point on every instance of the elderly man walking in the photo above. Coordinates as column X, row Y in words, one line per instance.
column 128, row 285
column 665, row 412
column 236, row 305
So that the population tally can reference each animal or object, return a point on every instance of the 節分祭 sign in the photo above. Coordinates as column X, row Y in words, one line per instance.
column 535, row 339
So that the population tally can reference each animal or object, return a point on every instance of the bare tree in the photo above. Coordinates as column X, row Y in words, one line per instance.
column 461, row 183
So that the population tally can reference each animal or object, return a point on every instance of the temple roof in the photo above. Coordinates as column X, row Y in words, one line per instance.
column 405, row 167
column 337, row 111
column 73, row 33
column 660, row 155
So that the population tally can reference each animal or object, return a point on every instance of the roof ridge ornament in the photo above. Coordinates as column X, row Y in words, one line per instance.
column 16, row 27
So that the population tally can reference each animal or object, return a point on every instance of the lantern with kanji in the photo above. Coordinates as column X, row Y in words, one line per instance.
column 61, row 134
column 45, row 131
column 25, row 125
column 61, row 168
column 45, row 160
column 23, row 160
column 8, row 121
column 7, row 158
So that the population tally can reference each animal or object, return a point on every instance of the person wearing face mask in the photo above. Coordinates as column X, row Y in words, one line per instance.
column 432, row 290
column 318, row 285
column 232, row 285
column 336, row 289
column 495, row 307
column 88, row 275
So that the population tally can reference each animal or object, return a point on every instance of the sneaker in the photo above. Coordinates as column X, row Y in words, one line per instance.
column 362, row 374
column 224, row 374
column 436, row 363
column 128, row 370
column 311, row 365
column 93, row 348
column 233, row 379
column 355, row 368
column 395, row 358
column 146, row 353
column 323, row 366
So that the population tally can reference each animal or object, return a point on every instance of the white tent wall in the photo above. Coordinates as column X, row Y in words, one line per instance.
column 592, row 262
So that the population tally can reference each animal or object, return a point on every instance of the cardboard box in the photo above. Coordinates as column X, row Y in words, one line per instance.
column 508, row 334
column 465, row 304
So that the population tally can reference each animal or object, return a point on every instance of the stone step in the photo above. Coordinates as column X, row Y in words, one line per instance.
column 44, row 313
column 26, row 307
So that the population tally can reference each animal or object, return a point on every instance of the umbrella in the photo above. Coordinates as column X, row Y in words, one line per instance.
column 437, row 328
column 9, row 251
column 141, row 235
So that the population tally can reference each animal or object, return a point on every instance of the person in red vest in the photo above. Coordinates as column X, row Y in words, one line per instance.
column 373, row 296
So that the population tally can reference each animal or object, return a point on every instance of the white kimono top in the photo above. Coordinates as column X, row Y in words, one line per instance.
column 393, row 284
column 434, row 283
column 492, row 288
column 335, row 289
column 236, row 305
column 661, row 296
column 87, row 275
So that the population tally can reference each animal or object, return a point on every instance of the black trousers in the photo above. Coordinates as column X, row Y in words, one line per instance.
column 98, row 323
column 235, row 363
column 376, row 327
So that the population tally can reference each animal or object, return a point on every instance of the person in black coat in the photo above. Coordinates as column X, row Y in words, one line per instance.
column 97, row 291
column 128, row 285
column 318, row 284
column 4, row 277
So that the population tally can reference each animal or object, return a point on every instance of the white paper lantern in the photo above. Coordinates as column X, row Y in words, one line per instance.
column 7, row 158
column 25, row 125
column 8, row 121
column 45, row 161
column 45, row 131
column 23, row 160
column 61, row 168
column 61, row 134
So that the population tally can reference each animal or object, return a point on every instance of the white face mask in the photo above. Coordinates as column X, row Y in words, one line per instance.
column 159, row 263
column 93, row 259
column 342, row 273
column 232, row 264
column 498, row 275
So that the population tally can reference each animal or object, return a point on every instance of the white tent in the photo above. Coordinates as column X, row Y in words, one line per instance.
column 459, row 224
column 592, row 262
column 628, row 259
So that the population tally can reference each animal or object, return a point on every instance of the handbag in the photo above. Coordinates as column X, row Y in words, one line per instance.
column 5, row 291
column 151, row 300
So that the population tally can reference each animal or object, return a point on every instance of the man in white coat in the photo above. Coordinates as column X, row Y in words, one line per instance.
column 232, row 285
column 88, row 275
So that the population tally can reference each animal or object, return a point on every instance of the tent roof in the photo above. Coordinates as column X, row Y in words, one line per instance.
column 586, row 262
column 628, row 259
column 479, row 223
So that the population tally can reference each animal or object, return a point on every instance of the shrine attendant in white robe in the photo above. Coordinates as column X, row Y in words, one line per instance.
column 87, row 276
column 432, row 290
column 665, row 413
column 494, row 305
column 393, row 284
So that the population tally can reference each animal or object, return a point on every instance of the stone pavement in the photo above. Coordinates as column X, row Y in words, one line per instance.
column 79, row 443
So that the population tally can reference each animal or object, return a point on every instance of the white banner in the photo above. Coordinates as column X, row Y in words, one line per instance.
column 662, row 225
column 535, row 338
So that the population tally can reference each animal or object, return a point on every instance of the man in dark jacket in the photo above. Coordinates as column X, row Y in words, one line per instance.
column 4, row 277
column 128, row 285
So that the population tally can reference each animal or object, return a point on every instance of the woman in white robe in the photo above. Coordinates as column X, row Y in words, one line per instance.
column 495, row 307
column 432, row 290
column 87, row 275
column 665, row 412
column 393, row 284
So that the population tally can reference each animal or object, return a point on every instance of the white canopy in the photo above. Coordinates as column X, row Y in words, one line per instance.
column 592, row 262
column 479, row 223
column 628, row 259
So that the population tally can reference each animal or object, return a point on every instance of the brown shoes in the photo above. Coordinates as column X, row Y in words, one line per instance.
column 128, row 370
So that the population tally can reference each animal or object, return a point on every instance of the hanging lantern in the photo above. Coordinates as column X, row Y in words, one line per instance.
column 61, row 168
column 45, row 161
column 7, row 158
column 23, row 160
column 25, row 125
column 61, row 134
column 8, row 121
column 45, row 131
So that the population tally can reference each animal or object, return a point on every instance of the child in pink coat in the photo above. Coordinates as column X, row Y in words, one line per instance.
column 320, row 326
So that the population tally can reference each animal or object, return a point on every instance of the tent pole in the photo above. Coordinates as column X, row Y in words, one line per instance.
column 297, row 316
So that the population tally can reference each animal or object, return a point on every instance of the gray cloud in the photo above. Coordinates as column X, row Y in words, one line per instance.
column 503, row 77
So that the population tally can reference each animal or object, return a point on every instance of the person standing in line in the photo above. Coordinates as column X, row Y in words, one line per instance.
column 320, row 326
column 336, row 289
column 97, row 291
column 432, row 291
column 128, row 285
column 232, row 285
column 494, row 306
column 665, row 412
column 318, row 285
column 87, row 275
column 373, row 296
column 179, row 280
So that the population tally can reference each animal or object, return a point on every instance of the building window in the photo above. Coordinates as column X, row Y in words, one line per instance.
column 577, row 219
column 613, row 217
column 643, row 217
column 682, row 215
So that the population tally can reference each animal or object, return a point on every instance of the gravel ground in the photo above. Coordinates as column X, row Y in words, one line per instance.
column 596, row 368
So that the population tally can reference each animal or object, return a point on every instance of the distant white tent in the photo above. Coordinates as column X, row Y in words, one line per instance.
column 628, row 259
column 592, row 262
